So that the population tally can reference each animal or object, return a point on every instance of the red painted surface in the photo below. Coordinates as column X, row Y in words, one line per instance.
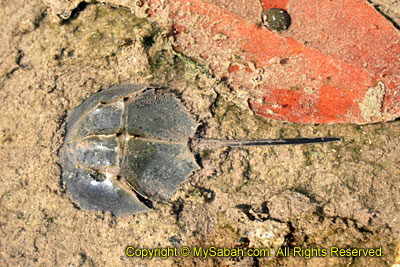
column 267, row 4
column 316, row 72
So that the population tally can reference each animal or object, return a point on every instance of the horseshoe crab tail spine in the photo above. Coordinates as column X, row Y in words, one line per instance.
column 199, row 144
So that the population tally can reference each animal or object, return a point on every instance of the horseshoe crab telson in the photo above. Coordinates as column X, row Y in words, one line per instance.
column 132, row 144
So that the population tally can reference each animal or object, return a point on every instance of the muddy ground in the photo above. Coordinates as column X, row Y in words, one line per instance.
column 339, row 194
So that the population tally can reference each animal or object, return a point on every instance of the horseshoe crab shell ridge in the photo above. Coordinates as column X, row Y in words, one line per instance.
column 125, row 145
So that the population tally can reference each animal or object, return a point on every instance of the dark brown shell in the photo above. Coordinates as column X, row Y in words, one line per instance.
column 276, row 19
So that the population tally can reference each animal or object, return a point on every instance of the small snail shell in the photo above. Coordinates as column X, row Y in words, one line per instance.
column 276, row 19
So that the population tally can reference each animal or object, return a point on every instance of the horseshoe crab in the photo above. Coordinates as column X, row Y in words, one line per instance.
column 132, row 144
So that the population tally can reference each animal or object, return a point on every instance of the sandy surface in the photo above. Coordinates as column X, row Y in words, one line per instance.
column 340, row 194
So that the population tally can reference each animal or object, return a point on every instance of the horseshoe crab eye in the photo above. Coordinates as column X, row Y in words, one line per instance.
column 276, row 19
